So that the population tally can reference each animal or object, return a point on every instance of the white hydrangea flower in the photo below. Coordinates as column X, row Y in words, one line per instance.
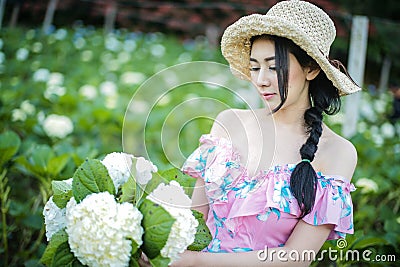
column 144, row 168
column 27, row 107
column 18, row 115
column 41, row 75
column 88, row 91
column 108, row 88
column 367, row 185
column 54, row 218
column 100, row 230
column 55, row 78
column 57, row 126
column 119, row 167
column 22, row 54
column 387, row 130
column 174, row 200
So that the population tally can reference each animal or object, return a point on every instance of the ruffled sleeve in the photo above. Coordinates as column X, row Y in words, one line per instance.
column 215, row 161
column 333, row 205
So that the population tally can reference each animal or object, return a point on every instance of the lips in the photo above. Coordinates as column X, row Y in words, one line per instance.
column 268, row 96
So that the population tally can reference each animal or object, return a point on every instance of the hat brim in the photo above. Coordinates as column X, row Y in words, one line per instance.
column 235, row 47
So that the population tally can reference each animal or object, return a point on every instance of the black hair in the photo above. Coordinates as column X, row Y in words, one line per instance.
column 324, row 98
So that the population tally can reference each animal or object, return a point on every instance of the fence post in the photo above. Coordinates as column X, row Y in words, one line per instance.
column 356, row 67
column 2, row 5
column 48, row 19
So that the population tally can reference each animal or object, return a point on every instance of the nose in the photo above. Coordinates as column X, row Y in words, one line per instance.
column 263, row 79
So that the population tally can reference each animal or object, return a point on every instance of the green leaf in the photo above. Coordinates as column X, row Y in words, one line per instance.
column 157, row 223
column 57, row 164
column 128, row 190
column 203, row 236
column 9, row 145
column 62, row 193
column 64, row 257
column 91, row 177
column 159, row 261
column 186, row 181
column 56, row 240
column 365, row 242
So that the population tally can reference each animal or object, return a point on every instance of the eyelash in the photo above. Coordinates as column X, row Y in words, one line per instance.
column 258, row 68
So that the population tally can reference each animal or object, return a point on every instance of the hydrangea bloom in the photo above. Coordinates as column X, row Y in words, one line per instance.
column 100, row 230
column 54, row 218
column 174, row 200
column 57, row 126
column 144, row 168
column 119, row 167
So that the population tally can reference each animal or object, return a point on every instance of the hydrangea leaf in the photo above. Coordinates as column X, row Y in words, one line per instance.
column 56, row 240
column 91, row 177
column 9, row 145
column 64, row 257
column 159, row 261
column 57, row 164
column 203, row 235
column 128, row 190
column 62, row 193
column 186, row 181
column 157, row 224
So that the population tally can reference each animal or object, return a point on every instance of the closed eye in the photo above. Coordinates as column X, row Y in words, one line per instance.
column 254, row 68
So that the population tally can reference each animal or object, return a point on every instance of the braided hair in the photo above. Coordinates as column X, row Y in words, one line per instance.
column 324, row 98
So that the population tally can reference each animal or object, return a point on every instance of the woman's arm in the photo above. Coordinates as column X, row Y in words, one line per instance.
column 199, row 198
column 300, row 249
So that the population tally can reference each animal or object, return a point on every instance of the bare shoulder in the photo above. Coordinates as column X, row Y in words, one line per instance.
column 226, row 121
column 338, row 156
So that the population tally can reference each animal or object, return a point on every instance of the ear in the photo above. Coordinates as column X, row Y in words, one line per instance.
column 312, row 73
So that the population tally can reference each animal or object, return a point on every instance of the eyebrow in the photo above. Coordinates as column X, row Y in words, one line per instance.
column 265, row 59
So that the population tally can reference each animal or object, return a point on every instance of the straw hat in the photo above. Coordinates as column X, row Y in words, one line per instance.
column 305, row 24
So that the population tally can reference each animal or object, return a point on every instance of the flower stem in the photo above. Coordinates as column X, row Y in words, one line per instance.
column 5, row 203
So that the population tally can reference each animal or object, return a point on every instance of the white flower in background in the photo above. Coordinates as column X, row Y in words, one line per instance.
column 157, row 50
column 27, row 107
column 37, row 47
column 18, row 115
column 41, row 117
column 87, row 55
column 124, row 57
column 60, row 34
column 22, row 54
column 54, row 218
column 388, row 130
column 108, row 88
column 88, row 91
column 57, row 126
column 139, row 106
column 164, row 100
column 79, row 43
column 131, row 77
column 55, row 78
column 367, row 111
column 144, row 170
column 361, row 127
column 41, row 75
column 112, row 44
column 111, row 101
column 174, row 200
column 129, row 45
column 379, row 105
column 54, row 90
column 119, row 167
column 367, row 185
column 100, row 230
column 2, row 57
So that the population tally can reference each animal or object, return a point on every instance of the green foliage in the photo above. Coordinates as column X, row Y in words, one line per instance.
column 91, row 177
column 156, row 224
column 203, row 235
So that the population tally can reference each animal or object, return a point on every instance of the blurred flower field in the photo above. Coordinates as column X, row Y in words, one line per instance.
column 64, row 98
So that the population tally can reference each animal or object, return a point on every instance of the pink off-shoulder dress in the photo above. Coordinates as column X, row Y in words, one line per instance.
column 250, row 212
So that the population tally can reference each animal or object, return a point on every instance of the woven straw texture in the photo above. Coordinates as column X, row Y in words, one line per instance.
column 305, row 24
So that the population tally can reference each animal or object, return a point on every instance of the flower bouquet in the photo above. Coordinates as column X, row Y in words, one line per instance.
column 114, row 209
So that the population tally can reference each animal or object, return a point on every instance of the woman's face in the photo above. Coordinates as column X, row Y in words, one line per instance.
column 263, row 75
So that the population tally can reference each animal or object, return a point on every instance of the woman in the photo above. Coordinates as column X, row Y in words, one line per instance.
column 276, row 181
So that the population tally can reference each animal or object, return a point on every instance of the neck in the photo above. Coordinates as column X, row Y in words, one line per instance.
column 291, row 118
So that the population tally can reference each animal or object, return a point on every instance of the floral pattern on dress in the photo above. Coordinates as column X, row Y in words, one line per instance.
column 248, row 213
